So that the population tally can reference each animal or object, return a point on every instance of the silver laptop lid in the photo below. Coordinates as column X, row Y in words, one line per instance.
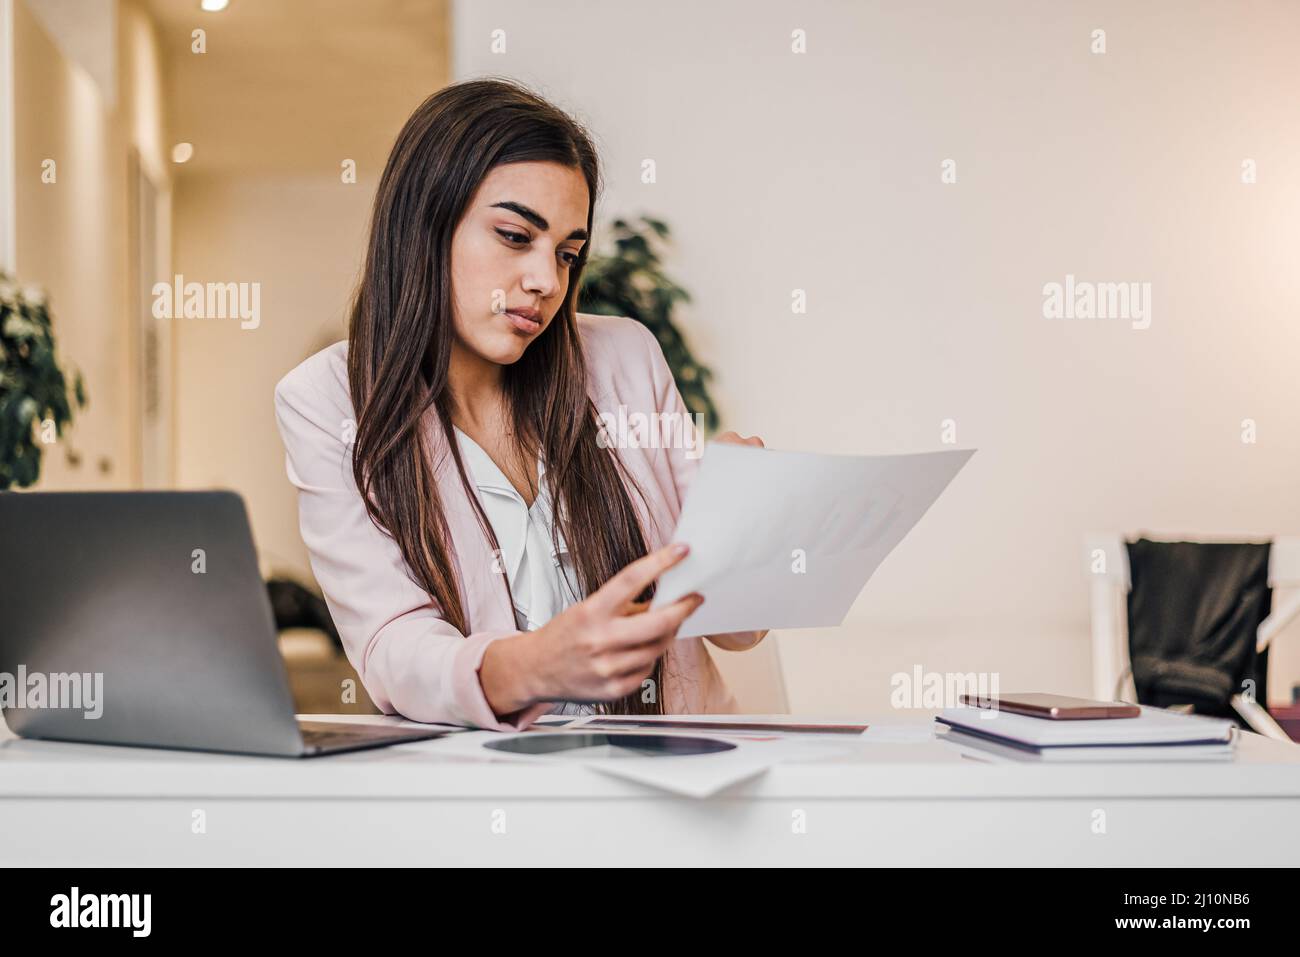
column 144, row 618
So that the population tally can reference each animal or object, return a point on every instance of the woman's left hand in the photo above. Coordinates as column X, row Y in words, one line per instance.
column 740, row 641
column 735, row 438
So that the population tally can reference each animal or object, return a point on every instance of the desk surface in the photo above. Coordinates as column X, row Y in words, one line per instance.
column 897, row 757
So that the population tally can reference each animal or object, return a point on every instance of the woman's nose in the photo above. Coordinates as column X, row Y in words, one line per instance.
column 543, row 277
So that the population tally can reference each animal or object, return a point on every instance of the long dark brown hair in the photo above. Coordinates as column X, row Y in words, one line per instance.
column 400, row 340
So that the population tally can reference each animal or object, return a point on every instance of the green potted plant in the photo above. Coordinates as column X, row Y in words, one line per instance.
column 35, row 405
column 630, row 281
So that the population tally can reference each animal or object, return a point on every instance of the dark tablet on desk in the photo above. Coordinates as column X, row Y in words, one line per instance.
column 619, row 745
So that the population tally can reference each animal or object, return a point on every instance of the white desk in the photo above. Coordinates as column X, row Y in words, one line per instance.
column 916, row 803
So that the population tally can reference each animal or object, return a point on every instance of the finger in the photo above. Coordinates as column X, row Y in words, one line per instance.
column 636, row 662
column 634, row 607
column 632, row 631
column 661, row 621
column 634, row 578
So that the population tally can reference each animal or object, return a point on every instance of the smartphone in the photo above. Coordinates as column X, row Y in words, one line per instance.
column 1058, row 707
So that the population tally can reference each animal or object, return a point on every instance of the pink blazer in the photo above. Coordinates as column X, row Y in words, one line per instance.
column 411, row 661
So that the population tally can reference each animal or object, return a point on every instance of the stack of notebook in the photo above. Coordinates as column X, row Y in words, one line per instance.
column 1155, row 735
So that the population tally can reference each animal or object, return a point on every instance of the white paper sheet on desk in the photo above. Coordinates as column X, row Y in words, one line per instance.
column 755, row 517
column 702, row 776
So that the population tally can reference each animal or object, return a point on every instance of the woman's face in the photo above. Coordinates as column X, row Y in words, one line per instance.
column 514, row 250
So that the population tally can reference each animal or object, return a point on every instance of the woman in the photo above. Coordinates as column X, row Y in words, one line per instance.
column 500, row 562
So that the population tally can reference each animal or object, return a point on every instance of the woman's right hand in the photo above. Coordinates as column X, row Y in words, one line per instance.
column 601, row 648
column 606, row 645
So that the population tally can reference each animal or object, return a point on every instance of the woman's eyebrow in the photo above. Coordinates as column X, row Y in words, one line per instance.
column 536, row 218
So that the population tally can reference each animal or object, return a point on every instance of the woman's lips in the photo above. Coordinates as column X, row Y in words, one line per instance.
column 524, row 324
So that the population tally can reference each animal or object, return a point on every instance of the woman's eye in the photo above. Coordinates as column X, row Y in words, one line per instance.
column 569, row 259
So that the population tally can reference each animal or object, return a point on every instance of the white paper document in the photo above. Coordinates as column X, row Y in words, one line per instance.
column 703, row 776
column 789, row 539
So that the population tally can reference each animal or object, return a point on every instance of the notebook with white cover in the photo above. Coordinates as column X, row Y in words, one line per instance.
column 1152, row 726
column 980, row 747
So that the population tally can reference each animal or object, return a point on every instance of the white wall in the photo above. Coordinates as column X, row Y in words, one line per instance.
column 8, row 227
column 273, row 111
column 303, row 240
column 821, row 172
column 73, row 236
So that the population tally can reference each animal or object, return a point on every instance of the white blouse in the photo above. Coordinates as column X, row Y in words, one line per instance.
column 543, row 581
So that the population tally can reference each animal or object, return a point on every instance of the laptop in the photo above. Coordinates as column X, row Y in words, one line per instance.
column 140, row 618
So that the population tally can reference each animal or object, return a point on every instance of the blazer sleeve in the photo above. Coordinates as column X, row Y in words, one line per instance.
column 410, row 659
column 682, row 462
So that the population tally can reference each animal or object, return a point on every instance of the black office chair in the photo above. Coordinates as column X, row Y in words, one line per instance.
column 296, row 606
column 1194, row 614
